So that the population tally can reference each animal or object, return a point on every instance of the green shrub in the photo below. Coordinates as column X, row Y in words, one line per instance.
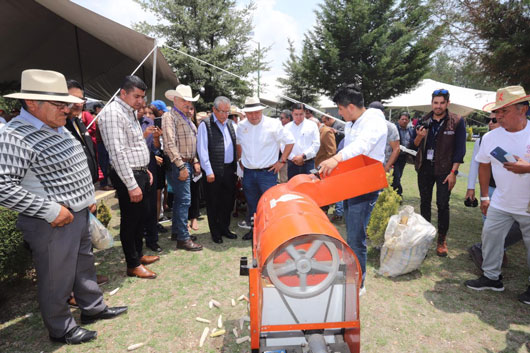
column 104, row 214
column 15, row 259
column 469, row 133
column 387, row 205
column 480, row 130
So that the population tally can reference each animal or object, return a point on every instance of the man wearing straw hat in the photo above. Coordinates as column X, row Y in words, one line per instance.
column 180, row 144
column 129, row 156
column 45, row 177
column 258, row 144
column 506, row 150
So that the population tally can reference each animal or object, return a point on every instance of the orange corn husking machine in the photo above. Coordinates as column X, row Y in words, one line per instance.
column 304, row 279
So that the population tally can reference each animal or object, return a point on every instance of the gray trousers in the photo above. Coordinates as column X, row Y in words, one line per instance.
column 64, row 262
column 494, row 232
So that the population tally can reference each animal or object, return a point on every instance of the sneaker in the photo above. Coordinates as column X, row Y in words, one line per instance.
column 243, row 224
column 484, row 282
column 525, row 297
column 362, row 291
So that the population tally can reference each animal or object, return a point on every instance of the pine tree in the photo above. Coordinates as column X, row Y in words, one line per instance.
column 215, row 31
column 296, row 85
column 383, row 46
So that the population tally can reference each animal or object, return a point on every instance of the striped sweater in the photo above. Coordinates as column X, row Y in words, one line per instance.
column 41, row 169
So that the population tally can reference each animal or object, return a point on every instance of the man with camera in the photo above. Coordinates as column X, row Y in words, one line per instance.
column 440, row 138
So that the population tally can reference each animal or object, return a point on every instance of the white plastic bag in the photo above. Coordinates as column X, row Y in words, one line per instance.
column 101, row 238
column 408, row 237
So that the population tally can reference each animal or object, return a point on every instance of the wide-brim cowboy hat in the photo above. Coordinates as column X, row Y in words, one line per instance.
column 252, row 104
column 182, row 91
column 507, row 96
column 235, row 111
column 44, row 85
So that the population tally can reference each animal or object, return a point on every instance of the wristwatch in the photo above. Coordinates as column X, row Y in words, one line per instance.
column 455, row 172
column 484, row 198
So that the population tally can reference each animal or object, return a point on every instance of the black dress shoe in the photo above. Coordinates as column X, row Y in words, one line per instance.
column 230, row 235
column 249, row 235
column 217, row 240
column 155, row 247
column 77, row 335
column 108, row 313
column 161, row 228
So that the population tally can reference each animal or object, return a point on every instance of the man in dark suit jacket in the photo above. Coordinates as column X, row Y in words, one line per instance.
column 79, row 130
column 216, row 146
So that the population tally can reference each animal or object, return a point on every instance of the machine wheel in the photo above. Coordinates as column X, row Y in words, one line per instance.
column 301, row 263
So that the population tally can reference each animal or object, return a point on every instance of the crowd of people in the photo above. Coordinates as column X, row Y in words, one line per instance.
column 160, row 157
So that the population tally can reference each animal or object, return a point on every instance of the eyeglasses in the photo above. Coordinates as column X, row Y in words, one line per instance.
column 61, row 105
column 222, row 111
column 440, row 91
column 492, row 120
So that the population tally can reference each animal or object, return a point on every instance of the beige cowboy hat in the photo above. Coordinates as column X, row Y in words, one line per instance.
column 507, row 96
column 235, row 111
column 252, row 104
column 43, row 85
column 182, row 91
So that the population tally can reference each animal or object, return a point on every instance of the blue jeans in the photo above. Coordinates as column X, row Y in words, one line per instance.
column 357, row 213
column 339, row 209
column 293, row 169
column 181, row 202
column 255, row 183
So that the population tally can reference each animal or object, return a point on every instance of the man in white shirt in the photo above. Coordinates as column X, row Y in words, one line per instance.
column 301, row 160
column 258, row 145
column 367, row 136
column 506, row 150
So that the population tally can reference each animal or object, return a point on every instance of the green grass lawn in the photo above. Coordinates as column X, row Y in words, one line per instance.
column 429, row 310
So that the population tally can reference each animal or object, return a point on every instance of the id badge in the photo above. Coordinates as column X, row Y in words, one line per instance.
column 430, row 154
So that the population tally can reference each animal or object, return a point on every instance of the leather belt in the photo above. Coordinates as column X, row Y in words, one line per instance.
column 261, row 169
column 187, row 160
column 139, row 169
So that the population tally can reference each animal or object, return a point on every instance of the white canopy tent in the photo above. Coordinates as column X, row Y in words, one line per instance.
column 463, row 100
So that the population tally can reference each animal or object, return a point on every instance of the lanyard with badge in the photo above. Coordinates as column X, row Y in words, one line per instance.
column 186, row 120
column 430, row 151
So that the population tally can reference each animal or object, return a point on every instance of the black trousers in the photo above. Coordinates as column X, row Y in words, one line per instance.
column 426, row 181
column 133, row 217
column 220, row 197
column 151, row 230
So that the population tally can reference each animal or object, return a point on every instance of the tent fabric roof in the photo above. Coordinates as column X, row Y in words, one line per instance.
column 463, row 100
column 62, row 36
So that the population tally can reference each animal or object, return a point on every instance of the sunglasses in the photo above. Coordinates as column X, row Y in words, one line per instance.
column 493, row 120
column 440, row 91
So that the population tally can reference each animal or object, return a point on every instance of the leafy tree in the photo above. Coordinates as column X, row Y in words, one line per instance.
column 296, row 85
column 494, row 34
column 383, row 46
column 215, row 31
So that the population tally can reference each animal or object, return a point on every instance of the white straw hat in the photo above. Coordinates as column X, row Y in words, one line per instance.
column 44, row 85
column 252, row 104
column 182, row 91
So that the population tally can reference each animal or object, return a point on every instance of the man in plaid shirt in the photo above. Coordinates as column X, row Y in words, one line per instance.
column 180, row 144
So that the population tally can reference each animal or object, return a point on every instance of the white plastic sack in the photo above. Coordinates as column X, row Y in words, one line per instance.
column 408, row 237
column 101, row 238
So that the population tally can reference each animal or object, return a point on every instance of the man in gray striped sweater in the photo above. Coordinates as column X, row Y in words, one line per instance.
column 44, row 176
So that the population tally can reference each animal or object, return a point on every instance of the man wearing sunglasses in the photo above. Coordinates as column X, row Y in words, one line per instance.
column 44, row 176
column 440, row 139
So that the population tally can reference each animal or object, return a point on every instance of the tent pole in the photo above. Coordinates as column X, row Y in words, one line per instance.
column 154, row 74
column 390, row 115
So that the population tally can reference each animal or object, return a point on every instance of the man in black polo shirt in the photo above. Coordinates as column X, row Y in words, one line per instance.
column 440, row 138
column 216, row 143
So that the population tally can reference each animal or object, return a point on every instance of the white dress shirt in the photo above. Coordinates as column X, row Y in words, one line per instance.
column 306, row 137
column 260, row 143
column 366, row 136
column 202, row 144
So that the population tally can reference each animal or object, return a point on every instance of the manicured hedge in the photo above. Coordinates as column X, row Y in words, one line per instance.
column 15, row 259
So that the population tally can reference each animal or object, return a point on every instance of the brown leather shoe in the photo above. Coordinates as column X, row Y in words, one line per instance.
column 72, row 302
column 188, row 245
column 100, row 279
column 149, row 259
column 441, row 249
column 141, row 272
